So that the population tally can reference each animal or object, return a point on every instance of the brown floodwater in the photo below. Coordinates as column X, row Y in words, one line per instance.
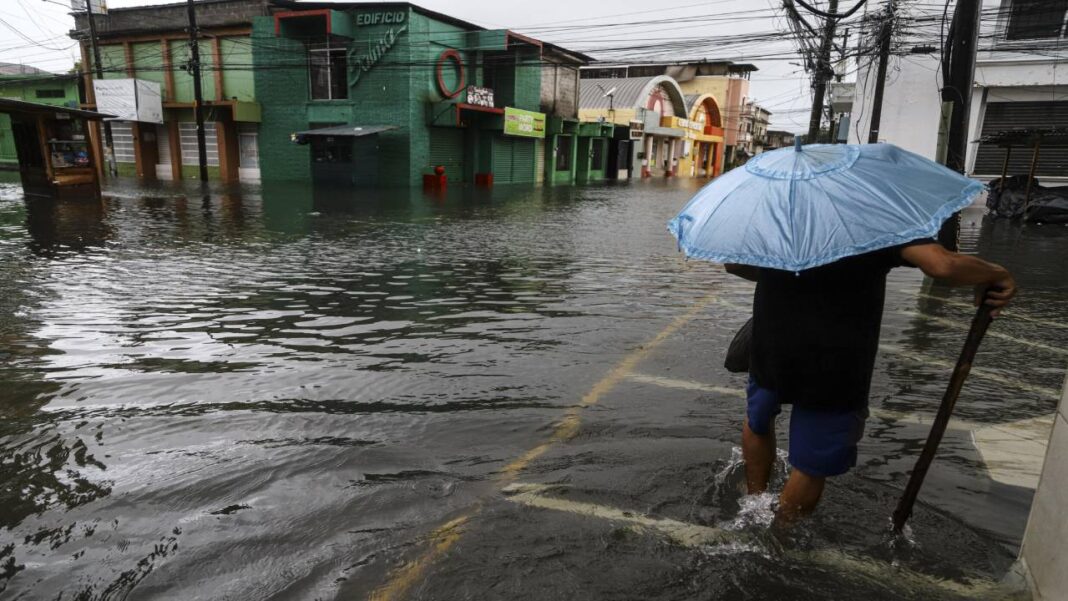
column 281, row 393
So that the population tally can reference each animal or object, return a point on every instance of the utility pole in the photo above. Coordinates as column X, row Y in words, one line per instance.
column 836, row 124
column 886, row 31
column 823, row 73
column 109, row 143
column 198, row 94
column 958, row 80
column 957, row 89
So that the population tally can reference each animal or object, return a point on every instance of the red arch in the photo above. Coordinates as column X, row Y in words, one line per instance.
column 715, row 118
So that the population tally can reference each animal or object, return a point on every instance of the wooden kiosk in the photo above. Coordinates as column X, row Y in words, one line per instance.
column 56, row 157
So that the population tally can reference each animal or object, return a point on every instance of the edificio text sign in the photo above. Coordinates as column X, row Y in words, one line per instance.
column 529, row 124
column 382, row 18
column 362, row 59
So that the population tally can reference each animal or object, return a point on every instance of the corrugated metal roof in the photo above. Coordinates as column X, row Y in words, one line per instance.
column 630, row 92
column 691, row 100
column 8, row 105
column 19, row 69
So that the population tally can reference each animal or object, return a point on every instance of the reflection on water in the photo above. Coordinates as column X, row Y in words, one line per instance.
column 278, row 392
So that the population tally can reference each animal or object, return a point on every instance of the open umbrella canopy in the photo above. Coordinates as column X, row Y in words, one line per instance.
column 802, row 207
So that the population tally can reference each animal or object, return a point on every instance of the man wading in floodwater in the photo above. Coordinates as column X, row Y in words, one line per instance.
column 815, row 335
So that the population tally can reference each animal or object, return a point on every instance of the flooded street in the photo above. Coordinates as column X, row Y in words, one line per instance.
column 511, row 394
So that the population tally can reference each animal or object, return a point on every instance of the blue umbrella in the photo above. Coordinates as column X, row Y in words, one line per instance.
column 802, row 207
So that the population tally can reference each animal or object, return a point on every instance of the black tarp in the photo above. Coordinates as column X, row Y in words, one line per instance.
column 1048, row 205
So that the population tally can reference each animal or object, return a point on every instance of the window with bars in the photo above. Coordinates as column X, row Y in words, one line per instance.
column 122, row 141
column 1036, row 19
column 328, row 69
column 187, row 136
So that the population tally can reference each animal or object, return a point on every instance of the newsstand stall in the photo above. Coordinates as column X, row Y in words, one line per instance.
column 56, row 158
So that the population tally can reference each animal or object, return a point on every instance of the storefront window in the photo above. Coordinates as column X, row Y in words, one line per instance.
column 68, row 145
column 330, row 149
column 328, row 69
column 563, row 153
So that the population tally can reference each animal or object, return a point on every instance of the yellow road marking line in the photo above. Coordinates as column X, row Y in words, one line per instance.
column 444, row 537
column 992, row 332
column 441, row 539
column 694, row 535
column 1010, row 313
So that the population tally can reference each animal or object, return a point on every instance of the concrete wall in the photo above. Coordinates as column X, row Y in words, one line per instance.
column 173, row 16
column 559, row 90
column 1044, row 553
column 912, row 106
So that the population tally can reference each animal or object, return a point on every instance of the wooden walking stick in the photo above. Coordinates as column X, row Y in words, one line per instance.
column 980, row 323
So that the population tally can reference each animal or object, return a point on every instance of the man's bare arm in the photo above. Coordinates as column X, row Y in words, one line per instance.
column 747, row 272
column 993, row 282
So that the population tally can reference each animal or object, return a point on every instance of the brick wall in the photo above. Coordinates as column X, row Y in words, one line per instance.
column 282, row 91
column 527, row 80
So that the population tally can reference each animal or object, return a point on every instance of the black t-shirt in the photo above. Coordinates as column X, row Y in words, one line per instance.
column 816, row 333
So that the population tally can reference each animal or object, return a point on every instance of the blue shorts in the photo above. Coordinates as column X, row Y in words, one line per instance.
column 822, row 443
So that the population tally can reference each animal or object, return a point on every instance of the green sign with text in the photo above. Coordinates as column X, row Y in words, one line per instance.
column 527, row 124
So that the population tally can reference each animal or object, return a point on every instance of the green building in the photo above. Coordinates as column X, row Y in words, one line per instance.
column 417, row 89
column 357, row 93
column 151, row 43
column 19, row 82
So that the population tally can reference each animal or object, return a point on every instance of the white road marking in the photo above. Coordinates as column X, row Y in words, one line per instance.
column 1011, row 453
column 687, row 535
column 976, row 372
column 695, row 535
column 1010, row 313
column 685, row 385
column 993, row 333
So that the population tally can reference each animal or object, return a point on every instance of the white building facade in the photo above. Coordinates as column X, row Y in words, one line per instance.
column 1021, row 81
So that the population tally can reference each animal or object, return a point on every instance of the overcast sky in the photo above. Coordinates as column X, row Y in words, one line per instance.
column 606, row 29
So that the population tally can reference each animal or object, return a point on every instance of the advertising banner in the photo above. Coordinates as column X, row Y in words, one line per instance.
column 527, row 124
column 129, row 99
column 479, row 96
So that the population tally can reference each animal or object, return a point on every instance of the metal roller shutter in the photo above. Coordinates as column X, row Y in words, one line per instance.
column 514, row 160
column 524, row 161
column 539, row 161
column 502, row 160
column 1001, row 116
column 447, row 150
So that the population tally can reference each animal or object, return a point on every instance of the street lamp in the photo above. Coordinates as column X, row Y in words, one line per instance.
column 611, row 96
